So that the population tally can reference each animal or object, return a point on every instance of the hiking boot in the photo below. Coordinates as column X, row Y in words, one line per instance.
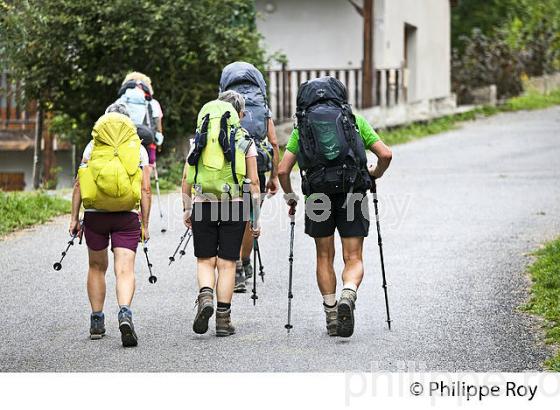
column 346, row 305
column 248, row 269
column 128, row 335
column 97, row 326
column 240, row 281
column 223, row 324
column 331, row 314
column 205, row 311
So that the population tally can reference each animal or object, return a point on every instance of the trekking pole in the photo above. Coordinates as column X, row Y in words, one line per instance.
column 58, row 265
column 380, row 243
column 292, row 214
column 163, row 229
column 152, row 278
column 257, row 250
column 255, row 246
column 182, row 252
column 172, row 257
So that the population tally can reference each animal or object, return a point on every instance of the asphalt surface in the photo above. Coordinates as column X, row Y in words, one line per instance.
column 460, row 211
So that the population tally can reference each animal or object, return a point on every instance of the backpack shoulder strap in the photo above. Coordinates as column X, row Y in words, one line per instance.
column 232, row 144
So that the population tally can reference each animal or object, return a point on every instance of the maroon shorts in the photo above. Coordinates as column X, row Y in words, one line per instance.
column 122, row 227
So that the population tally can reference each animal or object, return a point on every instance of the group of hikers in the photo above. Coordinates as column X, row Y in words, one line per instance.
column 224, row 186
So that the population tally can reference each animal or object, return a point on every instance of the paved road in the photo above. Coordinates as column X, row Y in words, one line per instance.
column 460, row 212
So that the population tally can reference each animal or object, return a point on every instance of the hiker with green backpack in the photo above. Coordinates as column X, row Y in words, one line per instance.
column 114, row 185
column 220, row 195
column 329, row 144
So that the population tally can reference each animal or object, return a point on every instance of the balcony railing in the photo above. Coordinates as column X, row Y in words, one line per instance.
column 389, row 88
column 13, row 114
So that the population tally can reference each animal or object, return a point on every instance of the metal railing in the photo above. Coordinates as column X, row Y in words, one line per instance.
column 389, row 88
column 13, row 114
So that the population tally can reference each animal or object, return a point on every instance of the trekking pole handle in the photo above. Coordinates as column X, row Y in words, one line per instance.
column 292, row 210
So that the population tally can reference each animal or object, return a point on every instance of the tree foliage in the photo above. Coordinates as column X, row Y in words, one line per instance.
column 501, row 41
column 72, row 54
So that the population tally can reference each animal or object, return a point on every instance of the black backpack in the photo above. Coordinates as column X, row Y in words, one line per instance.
column 331, row 157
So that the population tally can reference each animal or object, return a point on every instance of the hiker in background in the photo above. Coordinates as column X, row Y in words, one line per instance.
column 120, row 163
column 137, row 94
column 221, row 170
column 329, row 144
column 248, row 81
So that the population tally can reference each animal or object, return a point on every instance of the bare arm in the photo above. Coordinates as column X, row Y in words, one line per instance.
column 384, row 157
column 252, row 174
column 186, row 189
column 146, row 200
column 284, row 170
column 76, row 203
column 274, row 142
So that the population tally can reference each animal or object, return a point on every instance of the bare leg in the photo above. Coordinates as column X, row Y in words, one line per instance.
column 96, row 287
column 326, row 276
column 124, row 272
column 226, row 280
column 353, row 264
column 247, row 245
column 206, row 272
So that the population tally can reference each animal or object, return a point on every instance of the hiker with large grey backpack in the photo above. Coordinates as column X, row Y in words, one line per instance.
column 329, row 144
column 248, row 81
column 220, row 183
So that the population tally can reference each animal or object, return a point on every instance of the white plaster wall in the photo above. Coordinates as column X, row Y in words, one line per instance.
column 22, row 161
column 328, row 34
column 433, row 53
column 312, row 33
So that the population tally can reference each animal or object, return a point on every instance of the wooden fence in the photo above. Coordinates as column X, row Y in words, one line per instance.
column 283, row 84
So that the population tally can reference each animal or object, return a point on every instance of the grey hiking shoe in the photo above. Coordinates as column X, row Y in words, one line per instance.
column 205, row 302
column 248, row 269
column 128, row 335
column 346, row 305
column 223, row 324
column 331, row 314
column 97, row 326
column 240, row 281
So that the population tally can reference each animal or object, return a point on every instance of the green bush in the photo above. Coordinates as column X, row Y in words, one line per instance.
column 22, row 209
column 545, row 294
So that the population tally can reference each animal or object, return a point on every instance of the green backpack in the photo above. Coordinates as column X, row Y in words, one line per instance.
column 217, row 162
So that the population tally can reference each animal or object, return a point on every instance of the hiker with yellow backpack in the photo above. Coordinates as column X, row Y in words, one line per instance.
column 221, row 174
column 113, row 184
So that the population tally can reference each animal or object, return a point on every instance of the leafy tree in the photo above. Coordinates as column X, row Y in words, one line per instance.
column 72, row 54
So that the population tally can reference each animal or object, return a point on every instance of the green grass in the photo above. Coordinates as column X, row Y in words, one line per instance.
column 545, row 295
column 529, row 101
column 22, row 209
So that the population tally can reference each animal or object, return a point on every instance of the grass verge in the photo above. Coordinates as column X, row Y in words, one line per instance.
column 529, row 101
column 545, row 295
column 23, row 209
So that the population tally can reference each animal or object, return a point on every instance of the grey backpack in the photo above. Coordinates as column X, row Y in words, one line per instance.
column 248, row 81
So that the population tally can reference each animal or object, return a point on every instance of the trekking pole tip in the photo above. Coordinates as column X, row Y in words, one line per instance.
column 57, row 266
column 152, row 279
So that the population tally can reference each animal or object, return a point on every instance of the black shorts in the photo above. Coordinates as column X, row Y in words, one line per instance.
column 326, row 212
column 218, row 229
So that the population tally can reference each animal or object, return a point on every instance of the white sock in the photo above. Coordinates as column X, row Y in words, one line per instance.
column 350, row 286
column 329, row 300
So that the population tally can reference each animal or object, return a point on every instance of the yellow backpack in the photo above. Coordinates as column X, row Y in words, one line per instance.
column 112, row 178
